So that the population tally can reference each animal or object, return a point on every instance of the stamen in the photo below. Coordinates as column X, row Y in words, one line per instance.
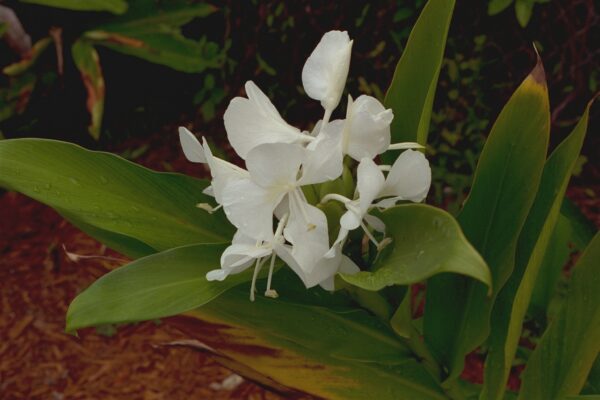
column 385, row 168
column 208, row 208
column 270, row 292
column 299, row 202
column 336, row 197
column 405, row 145
column 380, row 245
column 254, row 276
column 305, row 138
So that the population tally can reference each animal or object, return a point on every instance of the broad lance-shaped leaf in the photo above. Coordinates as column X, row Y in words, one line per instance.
column 156, row 286
column 111, row 194
column 87, row 61
column 510, row 308
column 332, row 353
column 426, row 241
column 152, row 31
column 457, row 314
column 113, row 6
column 560, row 364
column 412, row 90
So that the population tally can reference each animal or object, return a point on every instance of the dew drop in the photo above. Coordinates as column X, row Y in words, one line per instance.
column 47, row 186
column 36, row 188
column 103, row 180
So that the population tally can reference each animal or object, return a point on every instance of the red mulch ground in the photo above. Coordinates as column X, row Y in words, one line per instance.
column 37, row 280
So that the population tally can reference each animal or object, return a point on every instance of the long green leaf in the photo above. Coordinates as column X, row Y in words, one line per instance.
column 412, row 90
column 87, row 61
column 426, row 241
column 109, row 193
column 513, row 300
column 506, row 180
column 341, row 353
column 156, row 286
column 152, row 32
column 559, row 365
column 113, row 6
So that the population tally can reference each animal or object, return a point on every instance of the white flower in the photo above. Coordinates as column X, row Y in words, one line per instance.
column 253, row 121
column 274, row 174
column 367, row 128
column 326, row 69
column 409, row 179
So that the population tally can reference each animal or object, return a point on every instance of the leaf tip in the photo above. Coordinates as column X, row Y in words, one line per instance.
column 538, row 73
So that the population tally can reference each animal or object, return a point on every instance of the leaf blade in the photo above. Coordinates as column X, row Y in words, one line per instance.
column 412, row 90
column 426, row 241
column 110, row 193
column 491, row 219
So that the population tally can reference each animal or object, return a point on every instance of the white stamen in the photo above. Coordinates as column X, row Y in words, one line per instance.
column 405, row 145
column 336, row 197
column 258, row 266
column 299, row 202
column 208, row 208
column 269, row 292
column 385, row 168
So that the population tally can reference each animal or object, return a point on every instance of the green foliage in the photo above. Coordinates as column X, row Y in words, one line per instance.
column 515, row 227
column 412, row 90
column 144, row 28
column 111, row 194
column 509, row 311
column 491, row 220
column 113, row 6
column 560, row 364
column 523, row 8
column 426, row 241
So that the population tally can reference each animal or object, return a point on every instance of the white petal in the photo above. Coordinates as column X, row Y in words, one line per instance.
column 275, row 164
column 241, row 253
column 368, row 130
column 323, row 159
column 409, row 178
column 249, row 208
column 350, row 220
column 307, row 225
column 191, row 146
column 320, row 269
column 375, row 223
column 216, row 275
column 222, row 172
column 370, row 181
column 338, row 244
column 254, row 121
column 326, row 69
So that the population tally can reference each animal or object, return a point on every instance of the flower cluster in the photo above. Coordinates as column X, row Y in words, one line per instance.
column 266, row 201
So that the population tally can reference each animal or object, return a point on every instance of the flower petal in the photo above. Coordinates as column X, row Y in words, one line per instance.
column 409, row 178
column 326, row 69
column 242, row 252
column 368, row 130
column 370, row 181
column 191, row 146
column 275, row 164
column 249, row 207
column 252, row 121
column 323, row 160
column 222, row 172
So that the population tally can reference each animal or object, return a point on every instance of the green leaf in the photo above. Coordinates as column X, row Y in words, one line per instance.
column 497, row 6
column 156, row 286
column 523, row 11
column 556, row 257
column 113, row 6
column 504, row 187
column 412, row 90
column 24, row 65
column 332, row 353
column 559, row 365
column 87, row 61
column 510, row 309
column 109, row 193
column 153, row 32
column 426, row 241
